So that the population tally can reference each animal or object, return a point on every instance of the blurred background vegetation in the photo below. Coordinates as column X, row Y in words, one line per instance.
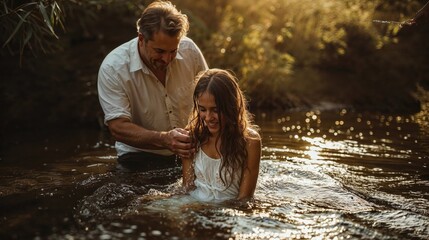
column 288, row 54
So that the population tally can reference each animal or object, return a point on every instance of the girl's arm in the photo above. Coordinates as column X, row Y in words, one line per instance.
column 251, row 169
column 188, row 174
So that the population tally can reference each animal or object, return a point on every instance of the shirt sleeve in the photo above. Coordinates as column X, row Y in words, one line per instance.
column 201, row 63
column 198, row 61
column 112, row 96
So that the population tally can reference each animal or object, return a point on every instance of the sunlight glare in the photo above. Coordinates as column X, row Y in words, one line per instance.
column 313, row 152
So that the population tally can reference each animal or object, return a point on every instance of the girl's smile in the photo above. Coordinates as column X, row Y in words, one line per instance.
column 208, row 112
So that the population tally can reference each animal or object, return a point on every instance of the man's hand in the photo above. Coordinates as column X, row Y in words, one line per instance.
column 179, row 142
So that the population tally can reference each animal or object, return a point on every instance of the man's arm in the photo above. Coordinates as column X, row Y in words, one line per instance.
column 176, row 140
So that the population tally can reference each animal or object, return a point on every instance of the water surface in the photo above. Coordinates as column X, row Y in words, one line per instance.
column 324, row 175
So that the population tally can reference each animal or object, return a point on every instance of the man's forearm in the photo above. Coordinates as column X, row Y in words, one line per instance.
column 136, row 136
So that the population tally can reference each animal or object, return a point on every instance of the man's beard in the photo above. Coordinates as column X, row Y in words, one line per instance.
column 159, row 65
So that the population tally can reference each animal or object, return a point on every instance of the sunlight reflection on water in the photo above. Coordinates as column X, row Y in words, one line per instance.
column 372, row 158
column 323, row 175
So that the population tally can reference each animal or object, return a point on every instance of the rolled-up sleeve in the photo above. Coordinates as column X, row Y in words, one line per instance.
column 113, row 99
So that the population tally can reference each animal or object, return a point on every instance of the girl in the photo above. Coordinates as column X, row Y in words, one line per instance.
column 228, row 147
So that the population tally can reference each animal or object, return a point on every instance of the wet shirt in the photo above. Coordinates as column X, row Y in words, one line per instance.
column 128, row 89
column 209, row 186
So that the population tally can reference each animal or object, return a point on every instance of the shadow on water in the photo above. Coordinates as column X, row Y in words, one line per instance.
column 324, row 174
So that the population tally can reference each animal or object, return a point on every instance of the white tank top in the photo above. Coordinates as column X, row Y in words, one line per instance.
column 209, row 186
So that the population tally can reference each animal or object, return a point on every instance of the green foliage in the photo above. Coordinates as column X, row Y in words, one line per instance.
column 270, row 43
column 246, row 46
column 30, row 25
column 286, row 53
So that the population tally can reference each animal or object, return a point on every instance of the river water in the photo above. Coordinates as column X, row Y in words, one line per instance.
column 331, row 174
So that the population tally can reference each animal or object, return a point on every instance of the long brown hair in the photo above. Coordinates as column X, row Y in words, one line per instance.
column 231, row 105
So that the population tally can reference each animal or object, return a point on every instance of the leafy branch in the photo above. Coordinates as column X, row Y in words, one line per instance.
column 30, row 26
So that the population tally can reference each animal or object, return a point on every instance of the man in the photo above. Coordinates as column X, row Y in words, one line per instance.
column 145, row 88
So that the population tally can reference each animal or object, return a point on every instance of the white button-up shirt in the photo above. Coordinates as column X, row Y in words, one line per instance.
column 128, row 89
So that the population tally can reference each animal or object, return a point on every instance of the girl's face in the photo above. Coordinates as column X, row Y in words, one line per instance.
column 208, row 112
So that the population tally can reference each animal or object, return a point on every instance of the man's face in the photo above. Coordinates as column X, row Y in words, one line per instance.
column 158, row 52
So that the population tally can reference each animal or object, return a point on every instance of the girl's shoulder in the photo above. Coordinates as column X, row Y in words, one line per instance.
column 253, row 134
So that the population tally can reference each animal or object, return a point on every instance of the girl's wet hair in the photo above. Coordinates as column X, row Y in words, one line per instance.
column 234, row 119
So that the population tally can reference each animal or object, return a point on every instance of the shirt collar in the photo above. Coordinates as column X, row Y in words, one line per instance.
column 136, row 62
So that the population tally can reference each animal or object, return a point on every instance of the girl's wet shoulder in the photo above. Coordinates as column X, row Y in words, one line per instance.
column 253, row 134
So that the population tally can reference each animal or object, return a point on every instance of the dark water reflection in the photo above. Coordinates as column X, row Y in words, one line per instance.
column 324, row 175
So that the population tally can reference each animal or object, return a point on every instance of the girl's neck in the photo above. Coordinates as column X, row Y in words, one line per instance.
column 212, row 147
column 213, row 136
